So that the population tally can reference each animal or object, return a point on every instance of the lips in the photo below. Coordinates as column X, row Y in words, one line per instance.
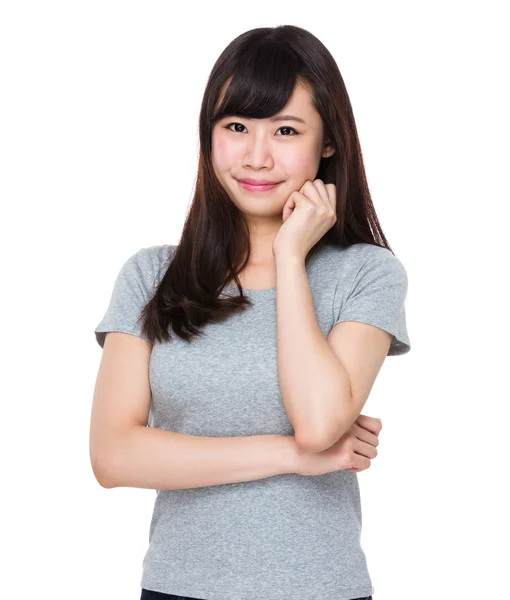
column 257, row 188
column 258, row 185
column 258, row 181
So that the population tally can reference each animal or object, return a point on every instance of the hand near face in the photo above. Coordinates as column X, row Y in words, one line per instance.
column 307, row 215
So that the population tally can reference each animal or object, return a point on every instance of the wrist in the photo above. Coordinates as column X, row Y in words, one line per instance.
column 292, row 455
column 287, row 257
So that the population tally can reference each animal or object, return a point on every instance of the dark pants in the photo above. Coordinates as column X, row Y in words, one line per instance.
column 148, row 595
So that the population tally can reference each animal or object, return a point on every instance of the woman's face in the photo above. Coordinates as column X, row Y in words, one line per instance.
column 278, row 149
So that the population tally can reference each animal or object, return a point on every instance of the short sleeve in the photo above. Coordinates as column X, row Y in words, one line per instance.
column 132, row 290
column 377, row 297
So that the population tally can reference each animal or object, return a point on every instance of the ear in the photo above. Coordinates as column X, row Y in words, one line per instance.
column 328, row 150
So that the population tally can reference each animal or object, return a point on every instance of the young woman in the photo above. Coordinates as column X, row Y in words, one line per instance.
column 250, row 347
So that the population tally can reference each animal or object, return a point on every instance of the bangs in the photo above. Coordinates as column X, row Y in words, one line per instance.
column 261, row 84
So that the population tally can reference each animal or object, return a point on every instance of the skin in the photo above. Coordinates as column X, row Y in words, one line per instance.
column 261, row 149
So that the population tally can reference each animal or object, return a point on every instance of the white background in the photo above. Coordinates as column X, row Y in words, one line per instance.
column 99, row 145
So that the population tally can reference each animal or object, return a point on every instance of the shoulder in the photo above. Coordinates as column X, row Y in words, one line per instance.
column 357, row 257
column 360, row 264
column 358, row 253
column 154, row 256
column 149, row 264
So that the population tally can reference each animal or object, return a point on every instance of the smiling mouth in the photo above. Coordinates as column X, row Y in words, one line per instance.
column 258, row 188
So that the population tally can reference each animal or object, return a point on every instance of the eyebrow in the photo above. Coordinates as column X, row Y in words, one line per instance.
column 286, row 118
column 278, row 118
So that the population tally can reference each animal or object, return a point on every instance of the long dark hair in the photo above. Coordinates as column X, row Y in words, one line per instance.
column 254, row 77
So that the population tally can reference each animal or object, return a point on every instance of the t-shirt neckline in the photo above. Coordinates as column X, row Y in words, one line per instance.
column 233, row 286
column 269, row 291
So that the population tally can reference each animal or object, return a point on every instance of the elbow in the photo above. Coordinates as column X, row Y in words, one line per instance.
column 319, row 443
column 313, row 445
column 103, row 474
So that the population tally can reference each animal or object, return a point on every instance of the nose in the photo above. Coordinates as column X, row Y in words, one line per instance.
column 258, row 152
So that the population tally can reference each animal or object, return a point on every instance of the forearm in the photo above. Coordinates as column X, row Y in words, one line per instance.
column 314, row 384
column 152, row 458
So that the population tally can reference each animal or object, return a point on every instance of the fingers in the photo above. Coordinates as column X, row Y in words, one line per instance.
column 311, row 192
column 327, row 192
column 364, row 449
column 320, row 193
column 366, row 436
column 370, row 423
column 360, row 462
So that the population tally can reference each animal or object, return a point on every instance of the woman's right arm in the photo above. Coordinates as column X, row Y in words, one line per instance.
column 125, row 452
column 148, row 457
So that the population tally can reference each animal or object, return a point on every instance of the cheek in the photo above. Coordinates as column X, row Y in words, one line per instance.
column 223, row 153
column 301, row 162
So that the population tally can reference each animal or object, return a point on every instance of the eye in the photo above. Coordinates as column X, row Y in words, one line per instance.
column 283, row 127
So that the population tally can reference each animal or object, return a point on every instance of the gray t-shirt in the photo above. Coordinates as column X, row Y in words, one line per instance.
column 281, row 537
